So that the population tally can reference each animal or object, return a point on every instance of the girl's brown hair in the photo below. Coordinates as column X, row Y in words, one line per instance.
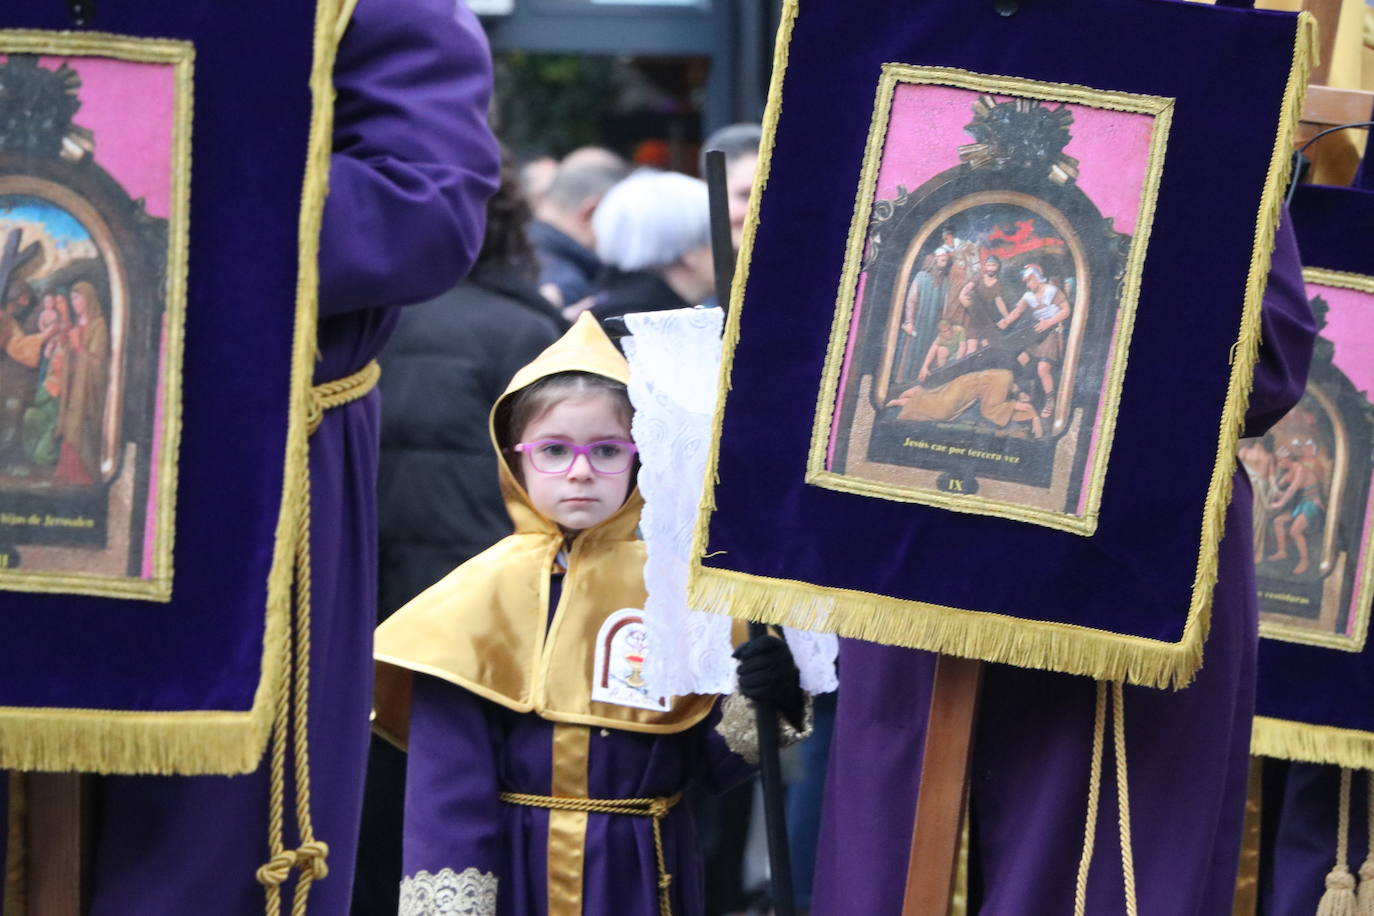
column 534, row 400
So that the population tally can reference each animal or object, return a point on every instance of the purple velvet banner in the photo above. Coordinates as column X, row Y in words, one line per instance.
column 176, row 684
column 1316, row 667
column 1031, row 463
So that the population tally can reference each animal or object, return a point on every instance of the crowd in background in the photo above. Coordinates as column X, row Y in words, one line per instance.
column 587, row 232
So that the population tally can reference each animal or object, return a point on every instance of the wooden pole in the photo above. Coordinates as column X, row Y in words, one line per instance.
column 944, row 787
column 59, row 843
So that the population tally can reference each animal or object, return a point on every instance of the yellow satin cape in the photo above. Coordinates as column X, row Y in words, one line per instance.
column 482, row 626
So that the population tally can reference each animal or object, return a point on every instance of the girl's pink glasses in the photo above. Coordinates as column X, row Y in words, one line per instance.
column 555, row 456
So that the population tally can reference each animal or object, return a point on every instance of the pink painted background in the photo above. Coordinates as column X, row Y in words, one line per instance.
column 129, row 108
column 926, row 129
column 1350, row 325
column 1111, row 146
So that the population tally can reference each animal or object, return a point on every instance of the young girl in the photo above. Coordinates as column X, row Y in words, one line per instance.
column 545, row 771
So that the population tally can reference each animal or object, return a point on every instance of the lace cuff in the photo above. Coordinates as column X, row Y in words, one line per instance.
column 737, row 726
column 448, row 893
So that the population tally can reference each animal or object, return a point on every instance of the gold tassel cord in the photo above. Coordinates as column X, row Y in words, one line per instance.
column 1364, row 897
column 654, row 808
column 329, row 395
column 1123, row 798
column 1339, row 897
column 311, row 854
column 1080, row 897
column 291, row 714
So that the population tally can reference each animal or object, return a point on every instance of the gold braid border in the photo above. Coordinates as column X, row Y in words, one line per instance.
column 979, row 634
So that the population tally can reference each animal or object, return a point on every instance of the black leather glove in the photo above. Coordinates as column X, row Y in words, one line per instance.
column 767, row 674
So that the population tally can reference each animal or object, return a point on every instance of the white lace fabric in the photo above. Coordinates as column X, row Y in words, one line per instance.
column 448, row 893
column 674, row 366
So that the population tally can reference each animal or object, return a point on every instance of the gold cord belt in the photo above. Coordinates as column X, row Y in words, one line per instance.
column 655, row 808
column 310, row 856
column 336, row 394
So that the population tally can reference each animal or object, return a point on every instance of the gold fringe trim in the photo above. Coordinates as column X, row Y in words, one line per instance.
column 1288, row 740
column 977, row 634
column 114, row 741
column 951, row 631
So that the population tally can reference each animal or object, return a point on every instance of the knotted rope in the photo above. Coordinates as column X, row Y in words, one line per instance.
column 336, row 394
column 655, row 808
column 291, row 713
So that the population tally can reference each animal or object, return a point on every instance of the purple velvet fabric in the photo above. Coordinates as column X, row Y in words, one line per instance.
column 1301, row 683
column 465, row 750
column 1129, row 578
column 1301, row 805
column 1310, row 684
column 404, row 219
column 1187, row 750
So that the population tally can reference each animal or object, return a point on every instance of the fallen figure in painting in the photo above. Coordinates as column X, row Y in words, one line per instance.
column 993, row 390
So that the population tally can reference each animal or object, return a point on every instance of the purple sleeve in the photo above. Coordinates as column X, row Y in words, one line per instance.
column 414, row 159
column 720, row 767
column 1287, row 332
column 452, row 813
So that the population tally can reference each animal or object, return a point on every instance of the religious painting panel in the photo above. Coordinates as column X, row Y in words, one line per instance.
column 985, row 312
column 94, row 187
column 1311, row 477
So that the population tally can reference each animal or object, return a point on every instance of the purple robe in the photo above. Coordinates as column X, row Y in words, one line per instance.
column 464, row 751
column 1187, row 750
column 1301, row 812
column 413, row 164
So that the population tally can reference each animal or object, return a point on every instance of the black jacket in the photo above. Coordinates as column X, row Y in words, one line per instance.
column 565, row 262
column 634, row 291
column 449, row 360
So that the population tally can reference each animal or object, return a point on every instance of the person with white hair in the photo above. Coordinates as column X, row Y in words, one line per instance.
column 653, row 231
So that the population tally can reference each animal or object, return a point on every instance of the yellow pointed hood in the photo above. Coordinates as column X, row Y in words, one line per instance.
column 486, row 627
column 584, row 348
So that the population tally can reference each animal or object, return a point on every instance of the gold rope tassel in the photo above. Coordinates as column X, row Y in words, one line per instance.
column 1123, row 799
column 654, row 808
column 1080, row 899
column 292, row 713
column 1365, row 895
column 1339, row 898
